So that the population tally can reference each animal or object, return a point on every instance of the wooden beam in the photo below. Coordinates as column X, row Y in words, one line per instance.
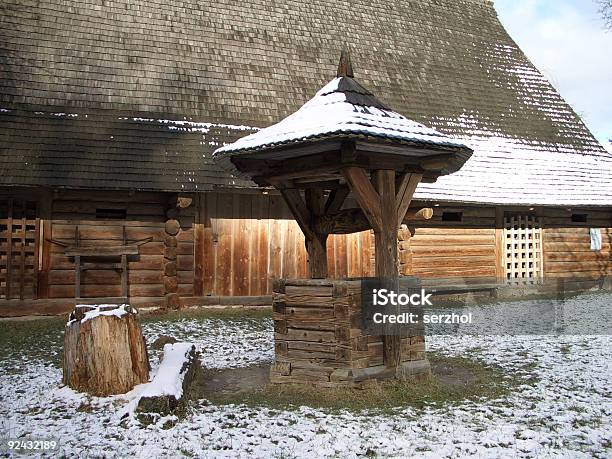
column 348, row 221
column 386, row 234
column 403, row 197
column 305, row 213
column 386, row 267
column 298, row 208
column 336, row 199
column 365, row 194
column 317, row 245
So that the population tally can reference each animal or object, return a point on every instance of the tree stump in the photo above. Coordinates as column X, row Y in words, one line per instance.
column 104, row 350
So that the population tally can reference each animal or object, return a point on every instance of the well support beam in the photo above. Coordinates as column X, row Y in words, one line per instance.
column 305, row 213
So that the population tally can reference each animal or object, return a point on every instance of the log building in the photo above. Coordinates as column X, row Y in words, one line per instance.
column 110, row 111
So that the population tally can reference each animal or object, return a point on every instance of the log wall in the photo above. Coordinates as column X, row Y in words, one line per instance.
column 145, row 217
column 450, row 249
column 237, row 244
column 319, row 337
column 567, row 244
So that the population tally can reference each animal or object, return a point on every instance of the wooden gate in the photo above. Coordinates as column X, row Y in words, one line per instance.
column 523, row 249
column 19, row 248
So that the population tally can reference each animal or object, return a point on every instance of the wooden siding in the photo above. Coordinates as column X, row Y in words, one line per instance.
column 248, row 240
column 567, row 244
column 234, row 244
column 465, row 248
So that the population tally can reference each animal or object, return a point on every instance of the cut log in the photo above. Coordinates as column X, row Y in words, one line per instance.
column 104, row 350
column 167, row 394
column 172, row 227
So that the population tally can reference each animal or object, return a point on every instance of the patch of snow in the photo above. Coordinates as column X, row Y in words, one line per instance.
column 516, row 172
column 193, row 125
column 170, row 375
column 118, row 310
column 562, row 407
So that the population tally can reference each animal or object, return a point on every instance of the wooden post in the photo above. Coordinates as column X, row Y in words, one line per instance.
column 77, row 276
column 9, row 250
column 385, row 240
column 386, row 235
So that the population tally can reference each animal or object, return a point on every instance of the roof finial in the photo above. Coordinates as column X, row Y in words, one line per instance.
column 345, row 68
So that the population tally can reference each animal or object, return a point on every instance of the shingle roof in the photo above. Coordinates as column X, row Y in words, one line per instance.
column 447, row 64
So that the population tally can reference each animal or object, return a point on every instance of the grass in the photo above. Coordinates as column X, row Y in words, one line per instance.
column 208, row 313
column 32, row 339
column 385, row 396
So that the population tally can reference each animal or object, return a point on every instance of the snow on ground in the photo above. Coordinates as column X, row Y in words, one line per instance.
column 563, row 409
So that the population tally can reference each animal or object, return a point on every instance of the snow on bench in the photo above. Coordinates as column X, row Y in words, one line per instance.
column 165, row 395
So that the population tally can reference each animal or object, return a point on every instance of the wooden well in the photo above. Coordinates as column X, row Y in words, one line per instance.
column 342, row 142
column 320, row 340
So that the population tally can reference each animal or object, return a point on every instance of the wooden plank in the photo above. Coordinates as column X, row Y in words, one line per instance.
column 405, row 191
column 198, row 270
column 9, row 251
column 314, row 336
column 209, row 219
column 275, row 247
column 22, row 249
column 224, row 263
column 365, row 194
column 262, row 243
column 241, row 239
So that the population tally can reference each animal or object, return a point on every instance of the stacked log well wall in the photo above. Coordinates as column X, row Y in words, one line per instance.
column 320, row 340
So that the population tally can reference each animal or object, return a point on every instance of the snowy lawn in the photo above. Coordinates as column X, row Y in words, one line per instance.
column 562, row 407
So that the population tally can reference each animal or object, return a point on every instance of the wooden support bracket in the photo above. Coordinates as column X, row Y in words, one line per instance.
column 365, row 194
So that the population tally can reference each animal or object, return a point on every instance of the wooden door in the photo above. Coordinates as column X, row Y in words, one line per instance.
column 19, row 248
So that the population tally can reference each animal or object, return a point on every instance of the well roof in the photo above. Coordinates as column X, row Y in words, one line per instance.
column 342, row 108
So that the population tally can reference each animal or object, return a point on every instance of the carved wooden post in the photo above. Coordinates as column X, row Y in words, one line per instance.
column 385, row 240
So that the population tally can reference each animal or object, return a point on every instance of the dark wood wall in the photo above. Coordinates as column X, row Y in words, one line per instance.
column 145, row 218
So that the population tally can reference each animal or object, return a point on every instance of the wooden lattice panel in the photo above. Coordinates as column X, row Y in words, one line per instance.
column 19, row 247
column 523, row 248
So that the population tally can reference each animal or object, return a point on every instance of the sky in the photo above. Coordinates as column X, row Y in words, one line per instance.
column 567, row 41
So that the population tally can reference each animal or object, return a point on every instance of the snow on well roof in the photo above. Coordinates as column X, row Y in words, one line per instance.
column 341, row 107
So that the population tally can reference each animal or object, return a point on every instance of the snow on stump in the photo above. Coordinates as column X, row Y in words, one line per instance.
column 104, row 350
column 166, row 395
